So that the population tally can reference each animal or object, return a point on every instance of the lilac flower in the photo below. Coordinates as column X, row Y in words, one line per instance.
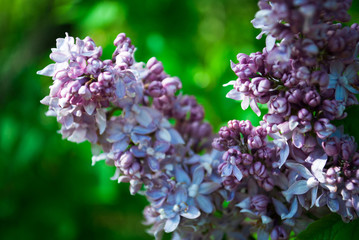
column 198, row 189
column 175, row 207
column 342, row 78
column 312, row 179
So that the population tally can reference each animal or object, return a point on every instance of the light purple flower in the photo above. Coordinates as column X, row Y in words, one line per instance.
column 342, row 78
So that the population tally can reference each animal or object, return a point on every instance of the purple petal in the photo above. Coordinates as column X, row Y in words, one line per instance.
column 204, row 203
column 191, row 213
column 245, row 204
column 161, row 146
column 153, row 163
column 78, row 135
column 321, row 200
column 255, row 107
column 333, row 204
column 208, row 187
column 163, row 135
column 198, row 175
column 143, row 130
column 90, row 108
column 245, row 103
column 156, row 194
column 143, row 117
column 59, row 57
column 280, row 208
column 351, row 89
column 138, row 152
column 262, row 234
column 227, row 170
column 293, row 209
column 120, row 146
column 235, row 95
column 120, row 89
column 300, row 169
column 340, row 93
column 317, row 168
column 237, row 173
column 314, row 196
column 175, row 137
column 297, row 188
column 351, row 72
column 283, row 155
column 270, row 42
column 182, row 176
column 180, row 195
column 101, row 120
column 49, row 70
column 298, row 139
column 172, row 223
column 336, row 68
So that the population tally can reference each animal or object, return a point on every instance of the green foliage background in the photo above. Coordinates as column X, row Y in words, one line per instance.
column 48, row 188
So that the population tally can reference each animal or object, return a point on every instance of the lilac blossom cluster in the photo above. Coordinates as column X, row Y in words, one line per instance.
column 124, row 108
column 301, row 165
column 272, row 179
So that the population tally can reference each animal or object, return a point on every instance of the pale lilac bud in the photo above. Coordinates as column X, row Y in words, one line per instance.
column 230, row 182
column 243, row 58
column 312, row 98
column 355, row 159
column 336, row 43
column 258, row 170
column 348, row 147
column 246, row 127
column 204, row 130
column 247, row 159
column 234, row 125
column 310, row 143
column 279, row 233
column 77, row 68
column 331, row 146
column 254, row 142
column 226, row 133
column 126, row 160
column 154, row 65
column 260, row 86
column 219, row 144
column 124, row 59
column 260, row 131
column 332, row 175
column 320, row 78
column 294, row 95
column 303, row 73
column 268, row 184
column 323, row 128
column 171, row 85
column 120, row 39
column 105, row 79
column 232, row 156
column 94, row 87
column 155, row 89
column 85, row 92
column 264, row 153
column 290, row 81
column 309, row 47
column 61, row 75
column 279, row 105
column 305, row 115
column 350, row 185
column 259, row 203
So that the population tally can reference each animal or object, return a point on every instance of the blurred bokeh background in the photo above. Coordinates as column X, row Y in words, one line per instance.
column 48, row 188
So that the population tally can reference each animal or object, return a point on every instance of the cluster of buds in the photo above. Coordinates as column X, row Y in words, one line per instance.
column 265, row 179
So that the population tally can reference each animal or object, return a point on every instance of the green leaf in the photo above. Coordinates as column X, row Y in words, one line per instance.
column 330, row 227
